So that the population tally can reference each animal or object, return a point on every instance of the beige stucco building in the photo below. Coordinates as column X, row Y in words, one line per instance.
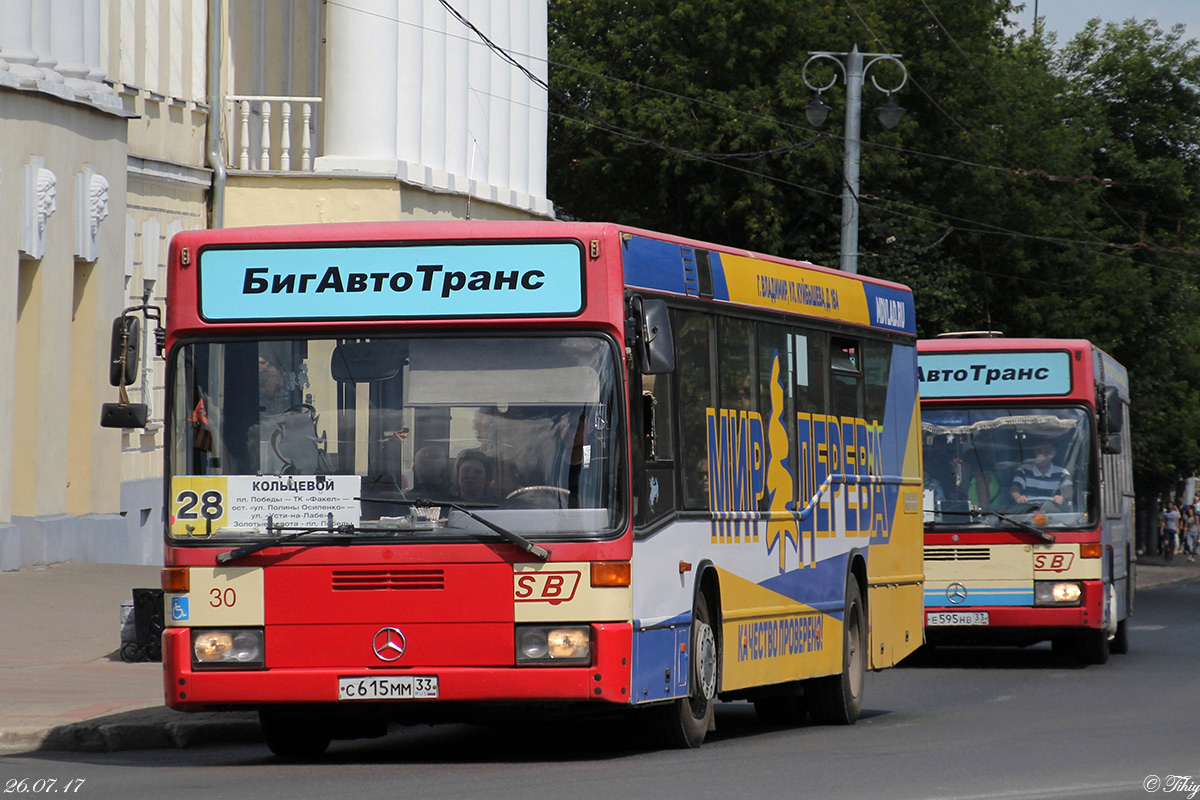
column 127, row 121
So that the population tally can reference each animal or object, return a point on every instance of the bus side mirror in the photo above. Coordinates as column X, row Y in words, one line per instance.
column 655, row 344
column 1114, row 410
column 123, row 358
column 124, row 415
column 1112, row 422
column 363, row 362
column 123, row 367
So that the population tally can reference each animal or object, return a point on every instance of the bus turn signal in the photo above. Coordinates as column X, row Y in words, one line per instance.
column 610, row 573
column 176, row 580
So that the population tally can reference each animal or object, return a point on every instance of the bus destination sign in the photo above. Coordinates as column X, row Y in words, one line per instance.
column 388, row 281
column 994, row 374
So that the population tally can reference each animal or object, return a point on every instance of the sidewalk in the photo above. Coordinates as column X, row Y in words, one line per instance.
column 64, row 686
column 62, row 681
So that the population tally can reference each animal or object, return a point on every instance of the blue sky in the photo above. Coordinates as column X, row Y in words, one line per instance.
column 1067, row 17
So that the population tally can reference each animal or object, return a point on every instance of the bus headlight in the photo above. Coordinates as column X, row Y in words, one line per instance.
column 554, row 644
column 1056, row 593
column 229, row 647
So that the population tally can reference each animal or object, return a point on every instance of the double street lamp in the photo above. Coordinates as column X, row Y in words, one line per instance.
column 853, row 66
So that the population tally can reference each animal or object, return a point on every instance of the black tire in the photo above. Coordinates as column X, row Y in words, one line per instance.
column 295, row 736
column 838, row 699
column 1119, row 644
column 1063, row 647
column 683, row 723
column 783, row 709
column 1091, row 647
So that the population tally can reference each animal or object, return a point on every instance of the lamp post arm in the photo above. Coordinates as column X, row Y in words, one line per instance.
column 854, row 70
column 853, row 161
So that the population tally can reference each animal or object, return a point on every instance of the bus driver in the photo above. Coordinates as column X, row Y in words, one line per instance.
column 1041, row 481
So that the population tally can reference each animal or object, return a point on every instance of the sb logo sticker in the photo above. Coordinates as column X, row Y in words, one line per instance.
column 546, row 587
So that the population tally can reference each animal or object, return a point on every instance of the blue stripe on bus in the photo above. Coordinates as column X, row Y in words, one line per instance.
column 651, row 264
column 719, row 285
column 822, row 588
column 1019, row 596
column 890, row 308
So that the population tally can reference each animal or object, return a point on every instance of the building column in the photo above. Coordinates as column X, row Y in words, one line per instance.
column 92, row 33
column 67, row 43
column 41, row 43
column 16, row 40
column 361, row 87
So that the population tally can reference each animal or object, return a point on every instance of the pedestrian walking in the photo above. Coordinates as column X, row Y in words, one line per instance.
column 1169, row 531
column 1191, row 532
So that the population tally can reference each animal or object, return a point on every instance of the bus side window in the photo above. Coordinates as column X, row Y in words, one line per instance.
column 735, row 353
column 845, row 361
column 655, row 490
column 656, row 418
column 812, row 370
column 776, row 403
column 693, row 365
column 877, row 370
column 810, row 349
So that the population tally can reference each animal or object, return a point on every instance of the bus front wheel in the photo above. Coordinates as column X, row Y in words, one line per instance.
column 837, row 699
column 684, row 722
column 293, row 735
column 1120, row 641
column 1092, row 647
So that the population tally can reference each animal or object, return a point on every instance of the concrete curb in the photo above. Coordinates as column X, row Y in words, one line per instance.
column 144, row 729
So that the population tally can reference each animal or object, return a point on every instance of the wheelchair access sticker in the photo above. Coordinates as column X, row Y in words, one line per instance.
column 179, row 609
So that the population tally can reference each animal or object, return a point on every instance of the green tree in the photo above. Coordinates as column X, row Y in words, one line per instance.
column 1145, row 86
column 1038, row 190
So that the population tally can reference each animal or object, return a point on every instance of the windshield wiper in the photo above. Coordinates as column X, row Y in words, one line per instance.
column 513, row 538
column 1038, row 532
column 296, row 533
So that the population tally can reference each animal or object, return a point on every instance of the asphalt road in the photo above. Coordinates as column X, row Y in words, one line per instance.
column 983, row 724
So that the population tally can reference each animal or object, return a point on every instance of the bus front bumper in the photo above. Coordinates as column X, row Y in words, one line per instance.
column 606, row 679
column 1012, row 624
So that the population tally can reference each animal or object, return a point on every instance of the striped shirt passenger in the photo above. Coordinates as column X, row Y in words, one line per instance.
column 1041, row 481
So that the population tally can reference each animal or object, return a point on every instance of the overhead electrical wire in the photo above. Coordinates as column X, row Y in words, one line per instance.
column 724, row 159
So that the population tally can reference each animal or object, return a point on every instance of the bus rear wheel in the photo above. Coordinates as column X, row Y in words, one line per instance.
column 684, row 722
column 837, row 699
column 784, row 707
column 294, row 735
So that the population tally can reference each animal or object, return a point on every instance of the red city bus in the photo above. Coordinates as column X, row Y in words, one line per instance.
column 415, row 470
column 1029, row 532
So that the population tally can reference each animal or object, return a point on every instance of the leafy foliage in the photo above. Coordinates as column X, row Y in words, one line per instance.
column 1031, row 188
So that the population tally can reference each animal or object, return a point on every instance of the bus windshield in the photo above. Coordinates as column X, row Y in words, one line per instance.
column 521, row 430
column 1004, row 467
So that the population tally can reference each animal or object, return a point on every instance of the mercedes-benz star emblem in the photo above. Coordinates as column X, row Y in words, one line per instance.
column 389, row 644
column 956, row 593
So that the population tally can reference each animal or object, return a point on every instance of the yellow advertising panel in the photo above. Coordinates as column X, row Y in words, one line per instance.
column 786, row 288
column 770, row 638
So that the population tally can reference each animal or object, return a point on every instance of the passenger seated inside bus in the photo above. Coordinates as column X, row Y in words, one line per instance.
column 474, row 474
column 431, row 473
